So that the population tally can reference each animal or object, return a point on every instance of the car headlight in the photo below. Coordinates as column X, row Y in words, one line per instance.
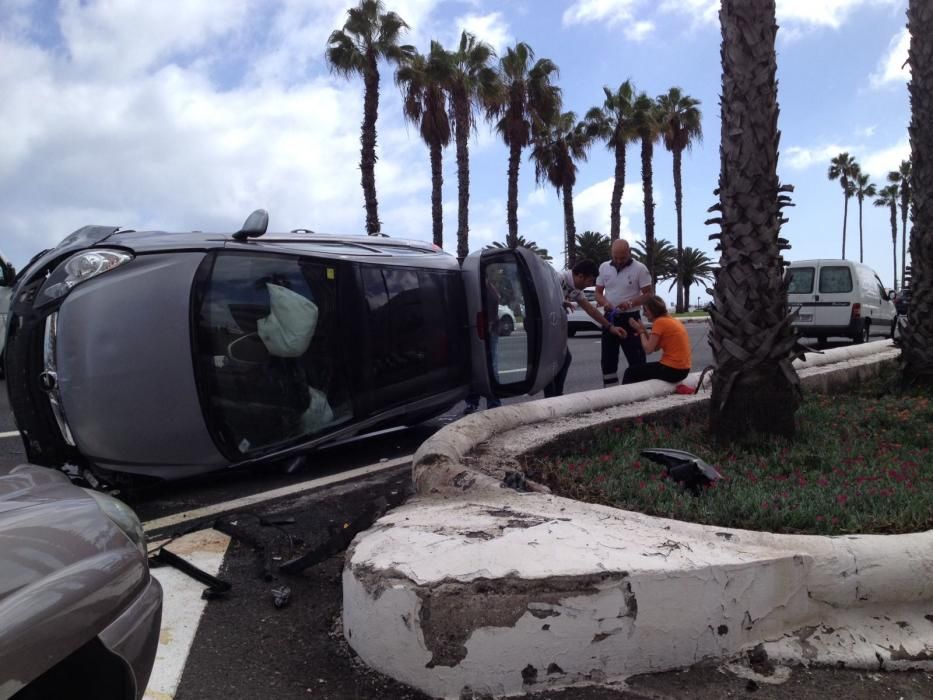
column 80, row 268
column 123, row 517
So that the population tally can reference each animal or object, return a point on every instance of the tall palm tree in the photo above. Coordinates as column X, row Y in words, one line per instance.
column 693, row 267
column 901, row 177
column 594, row 246
column 863, row 188
column 755, row 387
column 663, row 253
column 557, row 148
column 647, row 127
column 369, row 34
column 612, row 123
column 887, row 197
column 917, row 337
column 473, row 84
column 530, row 101
column 841, row 168
column 680, row 127
column 422, row 79
column 520, row 242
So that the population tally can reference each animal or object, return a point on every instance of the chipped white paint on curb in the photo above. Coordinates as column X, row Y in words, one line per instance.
column 476, row 586
column 182, row 608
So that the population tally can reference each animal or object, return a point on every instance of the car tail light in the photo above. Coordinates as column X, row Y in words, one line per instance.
column 856, row 311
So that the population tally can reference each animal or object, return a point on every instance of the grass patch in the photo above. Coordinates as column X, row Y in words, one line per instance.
column 860, row 463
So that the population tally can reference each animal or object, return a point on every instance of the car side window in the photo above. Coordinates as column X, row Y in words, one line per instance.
column 835, row 279
column 800, row 280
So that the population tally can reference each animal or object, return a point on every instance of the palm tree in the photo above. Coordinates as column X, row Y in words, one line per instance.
column 887, row 197
column 369, row 34
column 755, row 387
column 863, row 188
column 594, row 246
column 612, row 123
column 680, row 127
column 520, row 242
column 693, row 267
column 530, row 101
column 557, row 148
column 917, row 337
column 425, row 104
column 841, row 168
column 473, row 83
column 647, row 127
column 663, row 253
column 901, row 177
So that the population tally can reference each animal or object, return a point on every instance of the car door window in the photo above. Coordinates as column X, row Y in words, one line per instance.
column 835, row 280
column 268, row 353
column 800, row 280
column 504, row 300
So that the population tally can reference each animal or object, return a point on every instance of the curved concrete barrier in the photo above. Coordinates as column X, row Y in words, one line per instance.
column 475, row 586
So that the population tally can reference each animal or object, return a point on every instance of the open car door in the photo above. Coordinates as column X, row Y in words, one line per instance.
column 518, row 326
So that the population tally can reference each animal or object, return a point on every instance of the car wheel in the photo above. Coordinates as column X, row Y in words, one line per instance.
column 506, row 326
column 864, row 333
column 893, row 327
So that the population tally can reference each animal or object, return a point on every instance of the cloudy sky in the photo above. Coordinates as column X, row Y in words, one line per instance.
column 188, row 114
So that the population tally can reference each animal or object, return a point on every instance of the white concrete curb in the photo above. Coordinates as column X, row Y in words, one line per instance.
column 476, row 586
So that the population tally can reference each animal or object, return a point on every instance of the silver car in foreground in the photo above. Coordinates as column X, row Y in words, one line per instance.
column 79, row 612
column 165, row 355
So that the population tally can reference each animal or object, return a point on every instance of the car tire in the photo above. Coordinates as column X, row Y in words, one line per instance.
column 893, row 327
column 506, row 326
column 864, row 333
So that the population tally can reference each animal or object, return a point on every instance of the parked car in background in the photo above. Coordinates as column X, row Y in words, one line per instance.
column 902, row 302
column 839, row 298
column 7, row 274
column 79, row 612
column 154, row 354
column 578, row 320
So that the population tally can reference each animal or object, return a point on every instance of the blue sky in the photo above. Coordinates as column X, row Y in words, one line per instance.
column 188, row 114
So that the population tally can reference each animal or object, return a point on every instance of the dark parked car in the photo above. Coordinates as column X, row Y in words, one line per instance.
column 902, row 301
column 79, row 613
column 173, row 354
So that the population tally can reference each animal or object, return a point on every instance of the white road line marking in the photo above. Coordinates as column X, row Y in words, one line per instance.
column 182, row 607
column 247, row 501
column 13, row 433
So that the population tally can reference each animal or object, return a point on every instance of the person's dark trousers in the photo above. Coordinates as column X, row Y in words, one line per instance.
column 631, row 346
column 556, row 385
column 653, row 370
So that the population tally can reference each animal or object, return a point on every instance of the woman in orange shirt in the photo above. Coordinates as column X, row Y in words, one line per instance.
column 667, row 334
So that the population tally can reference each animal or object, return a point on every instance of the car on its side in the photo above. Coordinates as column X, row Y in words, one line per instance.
column 79, row 611
column 578, row 320
column 839, row 298
column 166, row 355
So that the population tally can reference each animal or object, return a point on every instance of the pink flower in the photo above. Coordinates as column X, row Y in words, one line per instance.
column 841, row 499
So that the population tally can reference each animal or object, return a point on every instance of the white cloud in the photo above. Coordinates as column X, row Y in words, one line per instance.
column 800, row 158
column 610, row 12
column 491, row 28
column 866, row 132
column 702, row 11
column 822, row 13
column 591, row 208
column 879, row 163
column 891, row 68
column 640, row 30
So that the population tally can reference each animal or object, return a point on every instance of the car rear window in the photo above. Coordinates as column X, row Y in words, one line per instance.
column 800, row 280
column 835, row 279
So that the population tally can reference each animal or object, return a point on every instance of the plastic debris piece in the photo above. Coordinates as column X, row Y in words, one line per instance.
column 281, row 596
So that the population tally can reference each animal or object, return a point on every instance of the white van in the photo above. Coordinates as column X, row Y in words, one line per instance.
column 839, row 298
column 6, row 284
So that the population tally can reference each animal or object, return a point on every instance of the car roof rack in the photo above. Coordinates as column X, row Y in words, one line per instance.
column 254, row 226
column 301, row 230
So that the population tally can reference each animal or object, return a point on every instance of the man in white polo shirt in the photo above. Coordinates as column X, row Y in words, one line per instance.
column 622, row 285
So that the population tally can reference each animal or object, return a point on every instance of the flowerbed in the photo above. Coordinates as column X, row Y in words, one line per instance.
column 861, row 462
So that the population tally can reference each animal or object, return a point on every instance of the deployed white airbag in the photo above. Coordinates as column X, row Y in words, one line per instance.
column 287, row 330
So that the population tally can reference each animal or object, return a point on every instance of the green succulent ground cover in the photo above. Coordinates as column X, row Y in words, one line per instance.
column 861, row 462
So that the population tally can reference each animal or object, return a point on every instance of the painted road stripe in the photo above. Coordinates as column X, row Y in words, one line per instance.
column 182, row 607
column 246, row 501
column 12, row 433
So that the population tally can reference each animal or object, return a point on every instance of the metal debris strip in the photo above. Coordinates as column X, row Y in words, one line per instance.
column 216, row 587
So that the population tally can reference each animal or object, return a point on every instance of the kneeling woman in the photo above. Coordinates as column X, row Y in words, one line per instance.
column 667, row 334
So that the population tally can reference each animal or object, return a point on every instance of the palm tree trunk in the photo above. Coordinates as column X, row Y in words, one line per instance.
column 905, row 210
column 861, row 246
column 755, row 387
column 570, row 228
column 437, row 184
column 678, row 205
column 686, row 296
column 647, row 153
column 515, row 159
column 461, row 109
column 845, row 216
column 918, row 334
column 894, row 237
column 618, row 186
column 368, row 145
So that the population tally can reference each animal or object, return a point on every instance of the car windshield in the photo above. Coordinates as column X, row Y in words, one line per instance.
column 269, row 365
